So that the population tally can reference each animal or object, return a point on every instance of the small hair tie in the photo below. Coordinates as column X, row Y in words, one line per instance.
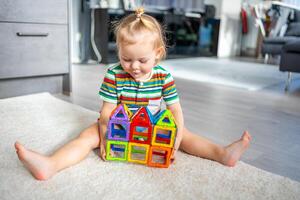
column 139, row 12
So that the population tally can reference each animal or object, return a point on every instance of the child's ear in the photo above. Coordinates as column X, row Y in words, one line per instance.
column 159, row 52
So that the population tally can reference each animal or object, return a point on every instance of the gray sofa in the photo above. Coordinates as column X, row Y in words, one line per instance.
column 273, row 45
column 290, row 60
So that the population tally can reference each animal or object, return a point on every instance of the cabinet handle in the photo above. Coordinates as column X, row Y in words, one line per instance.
column 32, row 34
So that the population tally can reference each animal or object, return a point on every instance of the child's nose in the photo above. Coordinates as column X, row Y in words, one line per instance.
column 135, row 65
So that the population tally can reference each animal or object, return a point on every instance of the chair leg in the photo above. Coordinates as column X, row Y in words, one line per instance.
column 266, row 60
column 288, row 81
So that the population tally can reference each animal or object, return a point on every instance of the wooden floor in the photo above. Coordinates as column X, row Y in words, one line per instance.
column 222, row 114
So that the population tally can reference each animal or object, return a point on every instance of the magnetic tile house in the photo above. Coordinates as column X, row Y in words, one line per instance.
column 141, row 138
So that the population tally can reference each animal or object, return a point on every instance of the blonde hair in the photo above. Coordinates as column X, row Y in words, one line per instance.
column 134, row 24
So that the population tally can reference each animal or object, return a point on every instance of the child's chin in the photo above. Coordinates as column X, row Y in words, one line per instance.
column 136, row 77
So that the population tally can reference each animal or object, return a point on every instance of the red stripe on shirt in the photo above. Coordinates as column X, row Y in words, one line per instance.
column 107, row 80
column 168, row 85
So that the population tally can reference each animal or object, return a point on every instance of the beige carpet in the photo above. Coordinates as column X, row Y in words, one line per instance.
column 44, row 123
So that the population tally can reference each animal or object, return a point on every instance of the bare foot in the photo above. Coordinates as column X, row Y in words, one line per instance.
column 235, row 150
column 40, row 166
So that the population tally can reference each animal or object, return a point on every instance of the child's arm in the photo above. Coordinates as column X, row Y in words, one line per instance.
column 178, row 115
column 106, row 110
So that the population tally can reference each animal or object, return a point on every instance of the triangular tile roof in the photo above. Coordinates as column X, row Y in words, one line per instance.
column 165, row 118
column 121, row 112
column 142, row 114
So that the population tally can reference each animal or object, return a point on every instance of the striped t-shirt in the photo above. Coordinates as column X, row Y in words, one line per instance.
column 119, row 87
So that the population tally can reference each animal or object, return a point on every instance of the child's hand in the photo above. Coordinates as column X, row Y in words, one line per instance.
column 176, row 147
column 103, row 149
column 102, row 143
column 173, row 155
column 106, row 110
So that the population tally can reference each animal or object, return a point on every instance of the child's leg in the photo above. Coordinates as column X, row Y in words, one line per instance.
column 199, row 146
column 43, row 167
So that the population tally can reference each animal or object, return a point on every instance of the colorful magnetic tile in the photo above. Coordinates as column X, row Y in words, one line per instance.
column 159, row 156
column 140, row 133
column 138, row 153
column 152, row 115
column 118, row 130
column 121, row 112
column 141, row 138
column 116, row 150
column 165, row 118
column 141, row 116
column 163, row 136
column 141, row 127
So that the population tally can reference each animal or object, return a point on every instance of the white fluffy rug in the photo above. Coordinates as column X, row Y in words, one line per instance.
column 233, row 73
column 44, row 123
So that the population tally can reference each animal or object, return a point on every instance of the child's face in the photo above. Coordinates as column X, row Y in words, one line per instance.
column 139, row 58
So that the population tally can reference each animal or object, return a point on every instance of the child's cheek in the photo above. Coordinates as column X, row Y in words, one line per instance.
column 125, row 67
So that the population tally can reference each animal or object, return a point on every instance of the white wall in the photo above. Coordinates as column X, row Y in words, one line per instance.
column 229, row 35
column 230, row 29
column 231, row 40
column 249, row 40
column 80, row 31
column 74, row 32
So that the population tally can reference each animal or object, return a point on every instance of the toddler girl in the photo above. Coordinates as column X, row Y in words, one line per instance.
column 136, row 81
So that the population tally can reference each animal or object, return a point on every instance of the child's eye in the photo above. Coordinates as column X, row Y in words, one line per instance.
column 126, row 60
column 143, row 61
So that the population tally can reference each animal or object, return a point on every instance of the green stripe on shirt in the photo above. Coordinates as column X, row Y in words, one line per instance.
column 127, row 89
